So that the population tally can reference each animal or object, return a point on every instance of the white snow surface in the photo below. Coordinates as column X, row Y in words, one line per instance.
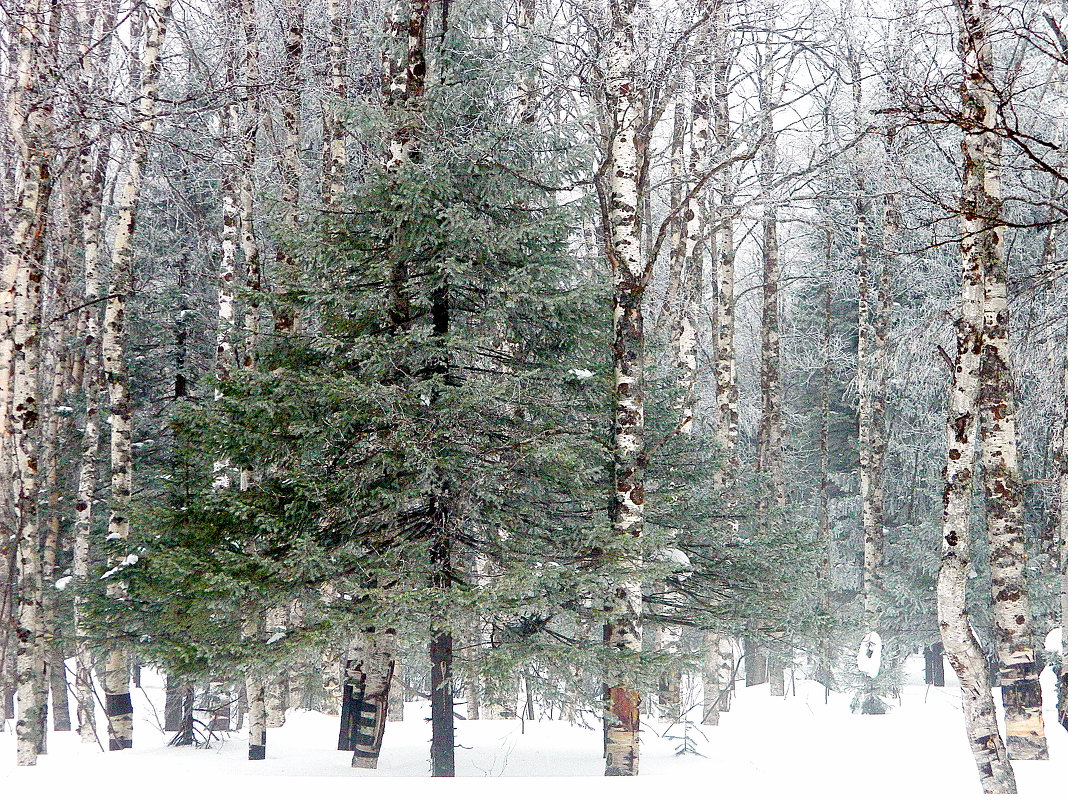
column 1053, row 640
column 764, row 748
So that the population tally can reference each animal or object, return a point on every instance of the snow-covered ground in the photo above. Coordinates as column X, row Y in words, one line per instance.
column 797, row 747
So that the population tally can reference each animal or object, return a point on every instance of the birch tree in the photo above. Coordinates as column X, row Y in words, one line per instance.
column 1002, row 480
column 95, row 24
column 625, row 107
column 368, row 671
column 335, row 156
column 30, row 118
column 118, row 704
column 770, row 433
column 980, row 243
column 719, row 658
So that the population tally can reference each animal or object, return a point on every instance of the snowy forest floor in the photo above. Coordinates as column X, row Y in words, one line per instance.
column 793, row 747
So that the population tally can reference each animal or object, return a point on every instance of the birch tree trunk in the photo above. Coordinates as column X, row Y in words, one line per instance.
column 1002, row 481
column 96, row 24
column 335, row 160
column 770, row 436
column 226, row 329
column 368, row 672
column 823, row 513
column 335, row 155
column 246, row 190
column 254, row 689
column 527, row 106
column 30, row 117
column 669, row 313
column 961, row 647
column 979, row 244
column 289, row 167
column 719, row 660
column 276, row 690
column 55, row 429
column 870, row 517
column 119, row 707
column 623, row 627
column 684, row 339
column 1062, row 683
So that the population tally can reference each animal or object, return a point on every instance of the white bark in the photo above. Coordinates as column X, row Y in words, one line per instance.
column 335, row 155
column 625, row 103
column 30, row 118
column 116, row 676
column 962, row 649
column 368, row 676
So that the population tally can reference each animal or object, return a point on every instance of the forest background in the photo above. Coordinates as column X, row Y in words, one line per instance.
column 571, row 348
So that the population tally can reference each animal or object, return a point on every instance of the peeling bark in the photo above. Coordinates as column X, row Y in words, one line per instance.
column 979, row 243
column 1002, row 480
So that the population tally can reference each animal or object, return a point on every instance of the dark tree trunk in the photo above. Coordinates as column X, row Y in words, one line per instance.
column 60, row 701
column 172, row 705
column 756, row 664
column 443, row 735
column 934, row 670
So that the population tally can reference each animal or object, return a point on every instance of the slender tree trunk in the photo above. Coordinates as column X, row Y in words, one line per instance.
column 770, row 434
column 226, row 329
column 713, row 690
column 823, row 509
column 118, row 703
column 1062, row 684
column 472, row 689
column 1003, row 484
column 872, row 322
column 979, row 243
column 872, row 526
column 670, row 309
column 335, row 155
column 289, row 167
column 372, row 659
column 1003, row 489
column 719, row 659
column 96, row 25
column 335, row 161
column 527, row 106
column 30, row 118
column 276, row 693
column 246, row 191
column 725, row 368
column 254, row 689
column 53, row 443
column 623, row 626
